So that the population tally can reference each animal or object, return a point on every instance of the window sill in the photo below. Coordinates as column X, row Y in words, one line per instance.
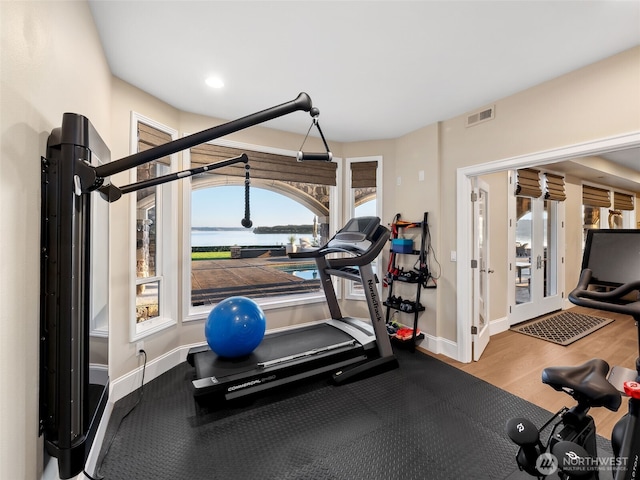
column 150, row 327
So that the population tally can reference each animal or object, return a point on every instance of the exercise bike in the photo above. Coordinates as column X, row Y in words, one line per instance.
column 609, row 281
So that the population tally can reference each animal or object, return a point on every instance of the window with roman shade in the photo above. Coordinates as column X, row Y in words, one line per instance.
column 554, row 187
column 149, row 278
column 528, row 183
column 363, row 174
column 363, row 200
column 266, row 166
column 149, row 137
column 155, row 284
column 259, row 272
column 622, row 201
column 595, row 197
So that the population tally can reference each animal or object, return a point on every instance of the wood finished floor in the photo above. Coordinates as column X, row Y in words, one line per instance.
column 514, row 362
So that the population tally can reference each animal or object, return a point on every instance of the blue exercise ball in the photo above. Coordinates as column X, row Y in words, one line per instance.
column 235, row 327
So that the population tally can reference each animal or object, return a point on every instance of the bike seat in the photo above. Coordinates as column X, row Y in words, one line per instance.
column 586, row 383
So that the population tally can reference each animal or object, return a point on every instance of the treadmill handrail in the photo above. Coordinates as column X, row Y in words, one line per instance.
column 605, row 300
column 379, row 240
column 321, row 252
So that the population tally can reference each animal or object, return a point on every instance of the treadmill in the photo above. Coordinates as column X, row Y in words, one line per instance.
column 345, row 347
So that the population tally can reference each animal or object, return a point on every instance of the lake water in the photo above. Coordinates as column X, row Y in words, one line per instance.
column 244, row 237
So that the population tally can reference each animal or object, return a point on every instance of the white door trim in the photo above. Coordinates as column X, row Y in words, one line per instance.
column 464, row 212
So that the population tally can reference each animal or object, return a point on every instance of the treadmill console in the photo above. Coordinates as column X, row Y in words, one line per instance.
column 356, row 235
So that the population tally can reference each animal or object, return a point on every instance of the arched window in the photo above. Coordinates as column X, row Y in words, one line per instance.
column 291, row 205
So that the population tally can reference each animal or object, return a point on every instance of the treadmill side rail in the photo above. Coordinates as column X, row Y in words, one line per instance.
column 293, row 378
column 308, row 353
column 356, row 328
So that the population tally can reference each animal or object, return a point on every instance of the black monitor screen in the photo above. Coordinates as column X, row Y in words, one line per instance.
column 613, row 256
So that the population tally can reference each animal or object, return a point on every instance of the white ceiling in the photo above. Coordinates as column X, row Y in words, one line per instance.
column 375, row 69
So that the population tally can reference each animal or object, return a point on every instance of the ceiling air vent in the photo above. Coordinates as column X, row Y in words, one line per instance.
column 481, row 116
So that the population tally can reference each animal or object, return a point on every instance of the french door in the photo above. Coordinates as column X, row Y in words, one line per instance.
column 536, row 262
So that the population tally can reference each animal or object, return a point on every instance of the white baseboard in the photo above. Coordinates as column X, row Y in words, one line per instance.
column 92, row 459
column 439, row 345
column 124, row 385
column 499, row 325
column 449, row 348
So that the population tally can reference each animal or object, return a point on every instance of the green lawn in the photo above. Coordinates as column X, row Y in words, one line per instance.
column 210, row 255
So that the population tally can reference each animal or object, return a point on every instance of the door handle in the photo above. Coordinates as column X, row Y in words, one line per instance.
column 490, row 271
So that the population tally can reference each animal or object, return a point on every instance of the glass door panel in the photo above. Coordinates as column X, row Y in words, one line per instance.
column 480, row 274
column 550, row 247
column 524, row 240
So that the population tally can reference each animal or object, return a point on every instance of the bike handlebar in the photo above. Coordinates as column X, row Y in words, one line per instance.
column 605, row 300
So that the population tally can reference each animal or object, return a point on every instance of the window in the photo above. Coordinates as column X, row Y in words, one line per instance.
column 603, row 207
column 622, row 215
column 156, row 291
column 364, row 187
column 292, row 205
column 595, row 202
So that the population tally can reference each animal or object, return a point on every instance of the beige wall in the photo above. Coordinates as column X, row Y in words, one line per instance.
column 51, row 62
column 415, row 153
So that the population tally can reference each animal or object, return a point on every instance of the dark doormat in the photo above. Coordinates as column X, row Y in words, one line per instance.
column 563, row 328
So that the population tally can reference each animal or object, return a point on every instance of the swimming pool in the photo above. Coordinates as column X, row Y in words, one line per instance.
column 306, row 271
column 306, row 274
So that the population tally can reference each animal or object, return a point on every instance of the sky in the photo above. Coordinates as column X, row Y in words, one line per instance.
column 224, row 207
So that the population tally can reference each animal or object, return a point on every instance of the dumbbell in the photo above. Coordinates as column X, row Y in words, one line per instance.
column 525, row 434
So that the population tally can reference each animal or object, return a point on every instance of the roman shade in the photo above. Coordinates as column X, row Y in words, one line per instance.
column 267, row 166
column 363, row 174
column 622, row 201
column 149, row 137
column 595, row 197
column 528, row 183
column 554, row 187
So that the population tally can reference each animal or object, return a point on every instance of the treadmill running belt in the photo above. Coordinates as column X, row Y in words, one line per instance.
column 273, row 346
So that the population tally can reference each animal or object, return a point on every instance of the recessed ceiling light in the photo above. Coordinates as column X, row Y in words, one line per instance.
column 214, row 82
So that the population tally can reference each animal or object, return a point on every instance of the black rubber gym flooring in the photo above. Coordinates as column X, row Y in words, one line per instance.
column 425, row 420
